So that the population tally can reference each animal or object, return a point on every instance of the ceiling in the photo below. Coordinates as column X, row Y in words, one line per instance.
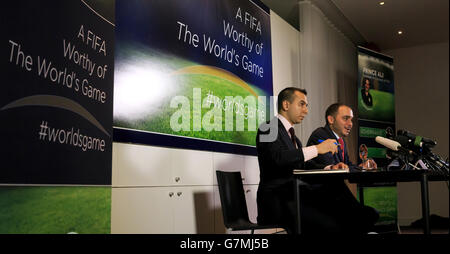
column 422, row 21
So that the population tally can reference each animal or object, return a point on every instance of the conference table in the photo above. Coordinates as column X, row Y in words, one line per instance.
column 368, row 177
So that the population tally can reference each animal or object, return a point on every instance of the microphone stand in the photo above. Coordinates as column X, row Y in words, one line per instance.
column 437, row 164
column 404, row 159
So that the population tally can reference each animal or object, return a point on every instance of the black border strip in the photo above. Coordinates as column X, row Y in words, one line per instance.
column 261, row 5
column 376, row 54
column 158, row 139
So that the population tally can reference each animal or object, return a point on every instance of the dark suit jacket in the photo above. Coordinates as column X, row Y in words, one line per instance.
column 277, row 160
column 328, row 207
column 356, row 217
column 325, row 133
column 366, row 99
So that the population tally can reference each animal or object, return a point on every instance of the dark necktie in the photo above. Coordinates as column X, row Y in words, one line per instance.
column 341, row 142
column 292, row 132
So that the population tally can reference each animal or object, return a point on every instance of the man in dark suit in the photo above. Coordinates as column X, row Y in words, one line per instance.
column 279, row 152
column 365, row 94
column 338, row 118
column 356, row 217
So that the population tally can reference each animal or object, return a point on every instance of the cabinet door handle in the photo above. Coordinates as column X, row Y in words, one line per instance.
column 179, row 193
column 170, row 194
column 177, row 179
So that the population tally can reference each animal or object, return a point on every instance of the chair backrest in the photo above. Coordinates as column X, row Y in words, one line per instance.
column 232, row 198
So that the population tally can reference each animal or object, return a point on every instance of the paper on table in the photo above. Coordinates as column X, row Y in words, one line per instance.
column 320, row 171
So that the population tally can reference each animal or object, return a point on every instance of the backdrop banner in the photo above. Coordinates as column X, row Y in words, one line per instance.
column 376, row 108
column 57, row 61
column 193, row 74
column 376, row 105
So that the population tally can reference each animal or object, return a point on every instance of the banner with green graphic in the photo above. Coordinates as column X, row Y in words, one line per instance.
column 56, row 103
column 191, row 71
column 376, row 110
column 376, row 103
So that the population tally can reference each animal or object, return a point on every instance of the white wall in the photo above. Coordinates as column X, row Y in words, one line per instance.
column 328, row 65
column 167, row 190
column 422, row 107
column 421, row 95
column 285, row 54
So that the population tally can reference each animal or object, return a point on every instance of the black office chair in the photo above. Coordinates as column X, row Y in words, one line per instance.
column 234, row 207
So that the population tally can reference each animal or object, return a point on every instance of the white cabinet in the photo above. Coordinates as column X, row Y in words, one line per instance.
column 141, row 211
column 251, row 170
column 139, row 165
column 193, row 210
column 250, row 197
column 162, row 210
column 191, row 167
column 164, row 190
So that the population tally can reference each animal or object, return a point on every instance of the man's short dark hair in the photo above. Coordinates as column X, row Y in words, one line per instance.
column 286, row 95
column 332, row 110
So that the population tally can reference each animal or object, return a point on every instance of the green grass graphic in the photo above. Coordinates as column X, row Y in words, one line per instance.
column 383, row 108
column 384, row 199
column 160, row 121
column 55, row 210
column 132, row 56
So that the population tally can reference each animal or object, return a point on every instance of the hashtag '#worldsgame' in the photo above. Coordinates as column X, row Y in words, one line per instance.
column 71, row 136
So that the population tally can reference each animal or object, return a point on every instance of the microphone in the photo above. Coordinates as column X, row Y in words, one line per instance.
column 389, row 143
column 392, row 144
column 416, row 140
